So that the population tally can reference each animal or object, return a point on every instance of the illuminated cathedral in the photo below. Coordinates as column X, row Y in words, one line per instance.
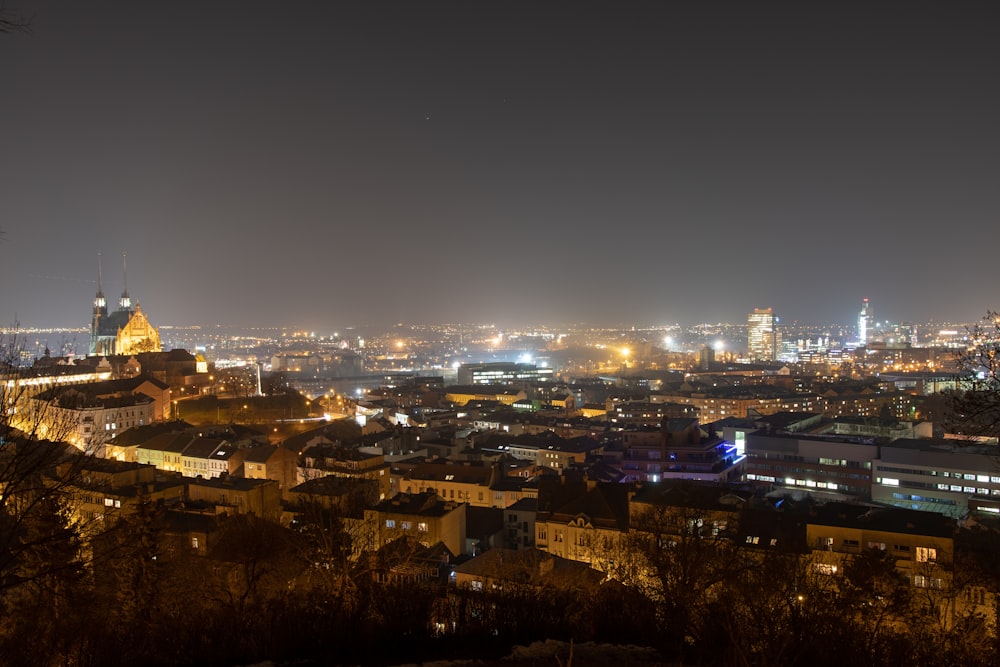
column 124, row 331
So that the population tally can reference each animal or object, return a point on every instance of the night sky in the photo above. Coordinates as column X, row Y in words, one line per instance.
column 332, row 164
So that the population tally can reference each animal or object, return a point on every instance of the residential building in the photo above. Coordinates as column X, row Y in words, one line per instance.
column 519, row 523
column 582, row 521
column 512, row 569
column 265, row 461
column 124, row 446
column 261, row 497
column 921, row 543
column 464, row 394
column 470, row 484
column 104, row 489
column 164, row 451
column 673, row 508
column 715, row 403
column 424, row 517
column 206, row 457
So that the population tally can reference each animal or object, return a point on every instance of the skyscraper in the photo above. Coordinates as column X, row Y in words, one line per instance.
column 864, row 322
column 763, row 337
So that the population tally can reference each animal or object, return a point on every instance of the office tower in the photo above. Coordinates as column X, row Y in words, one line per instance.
column 763, row 337
column 864, row 323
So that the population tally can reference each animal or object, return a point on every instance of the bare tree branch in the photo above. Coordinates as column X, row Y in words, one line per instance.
column 11, row 20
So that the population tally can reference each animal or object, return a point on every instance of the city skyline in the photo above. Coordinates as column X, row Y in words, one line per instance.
column 520, row 163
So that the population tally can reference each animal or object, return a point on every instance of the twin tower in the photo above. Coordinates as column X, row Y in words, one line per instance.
column 123, row 331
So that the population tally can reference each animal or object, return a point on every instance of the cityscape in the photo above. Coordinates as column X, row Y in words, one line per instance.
column 459, row 468
column 397, row 334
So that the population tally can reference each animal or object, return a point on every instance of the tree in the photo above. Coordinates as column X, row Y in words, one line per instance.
column 683, row 561
column 12, row 21
column 975, row 405
column 332, row 535
column 256, row 556
column 42, row 551
column 877, row 598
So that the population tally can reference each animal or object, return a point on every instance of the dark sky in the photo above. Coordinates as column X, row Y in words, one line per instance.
column 330, row 164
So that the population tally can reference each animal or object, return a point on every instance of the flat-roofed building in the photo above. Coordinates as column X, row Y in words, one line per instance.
column 501, row 372
column 940, row 475
column 678, row 449
column 920, row 543
column 814, row 463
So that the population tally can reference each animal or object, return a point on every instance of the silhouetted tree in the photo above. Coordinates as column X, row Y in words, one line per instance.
column 12, row 21
column 877, row 598
column 975, row 408
column 682, row 563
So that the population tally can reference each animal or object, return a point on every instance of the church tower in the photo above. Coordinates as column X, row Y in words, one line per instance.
column 125, row 303
column 100, row 310
column 124, row 331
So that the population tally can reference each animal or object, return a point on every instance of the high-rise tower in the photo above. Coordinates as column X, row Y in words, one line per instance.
column 864, row 322
column 763, row 337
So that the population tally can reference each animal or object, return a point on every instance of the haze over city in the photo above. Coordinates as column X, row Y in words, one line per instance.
column 322, row 165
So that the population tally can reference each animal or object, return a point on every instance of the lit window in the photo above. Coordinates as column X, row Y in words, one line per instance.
column 390, row 523
column 926, row 554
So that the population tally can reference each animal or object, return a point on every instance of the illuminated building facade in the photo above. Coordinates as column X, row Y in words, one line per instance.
column 763, row 337
column 938, row 475
column 124, row 331
column 864, row 322
column 503, row 373
column 840, row 464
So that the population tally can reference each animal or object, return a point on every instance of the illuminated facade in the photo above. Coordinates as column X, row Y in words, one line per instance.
column 810, row 463
column 586, row 524
column 679, row 450
column 763, row 337
column 950, row 477
column 124, row 331
column 921, row 543
column 503, row 373
column 864, row 323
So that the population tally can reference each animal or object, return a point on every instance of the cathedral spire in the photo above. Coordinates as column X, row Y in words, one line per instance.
column 99, row 301
column 125, row 303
